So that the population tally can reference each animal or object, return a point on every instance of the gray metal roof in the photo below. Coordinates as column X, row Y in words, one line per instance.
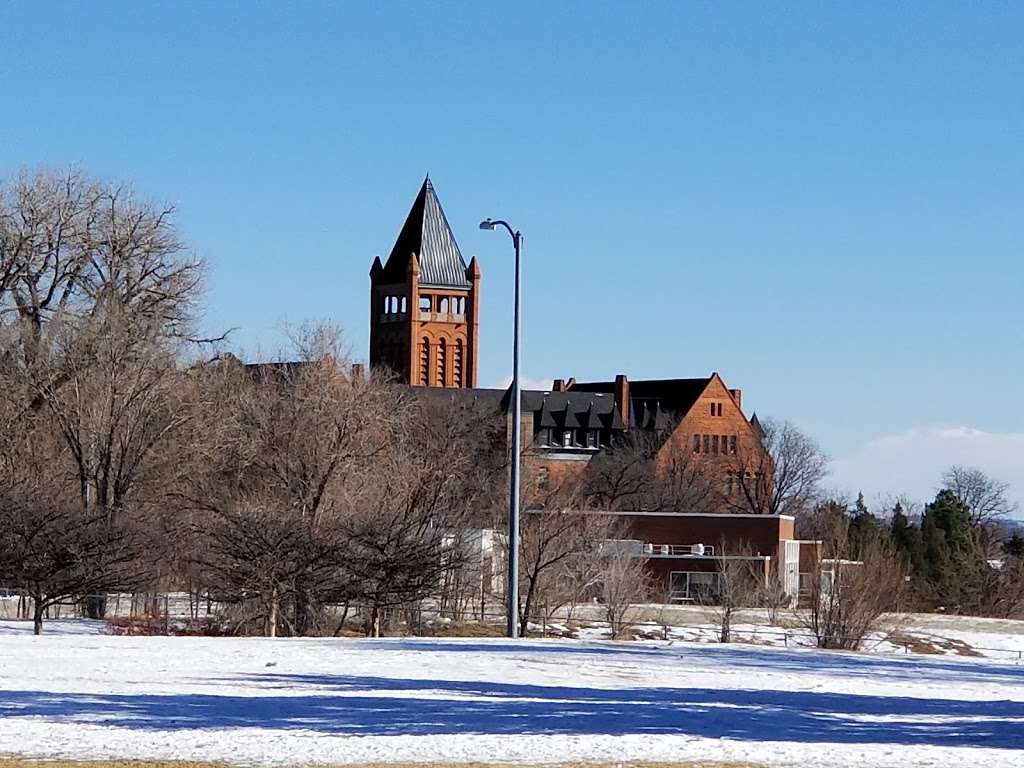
column 427, row 234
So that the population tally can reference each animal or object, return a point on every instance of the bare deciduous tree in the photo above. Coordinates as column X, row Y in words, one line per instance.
column 280, row 445
column 96, row 289
column 987, row 498
column 624, row 583
column 781, row 477
column 642, row 473
column 850, row 590
column 740, row 575
column 58, row 552
column 553, row 540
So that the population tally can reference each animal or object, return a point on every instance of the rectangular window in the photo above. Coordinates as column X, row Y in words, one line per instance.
column 732, row 445
column 424, row 303
column 696, row 443
column 693, row 586
column 567, row 439
column 591, row 438
column 706, row 439
column 714, row 443
column 712, row 409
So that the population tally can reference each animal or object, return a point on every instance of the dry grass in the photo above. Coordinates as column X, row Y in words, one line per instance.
column 931, row 645
column 914, row 643
column 468, row 629
column 18, row 762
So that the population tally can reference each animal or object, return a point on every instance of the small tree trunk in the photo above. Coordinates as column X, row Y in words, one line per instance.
column 524, row 615
column 341, row 624
column 272, row 614
column 374, row 622
column 37, row 617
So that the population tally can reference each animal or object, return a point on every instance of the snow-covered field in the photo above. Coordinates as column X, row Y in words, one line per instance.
column 75, row 693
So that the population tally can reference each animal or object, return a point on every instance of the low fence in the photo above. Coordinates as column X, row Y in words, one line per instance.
column 176, row 613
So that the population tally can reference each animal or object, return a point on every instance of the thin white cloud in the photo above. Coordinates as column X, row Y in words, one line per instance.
column 526, row 382
column 912, row 462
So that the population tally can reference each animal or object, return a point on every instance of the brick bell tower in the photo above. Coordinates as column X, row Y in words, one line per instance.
column 425, row 303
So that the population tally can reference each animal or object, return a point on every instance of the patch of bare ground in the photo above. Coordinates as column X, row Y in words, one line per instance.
column 468, row 629
column 931, row 644
column 959, row 647
column 18, row 762
column 913, row 643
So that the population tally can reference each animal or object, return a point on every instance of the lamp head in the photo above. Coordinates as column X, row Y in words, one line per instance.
column 486, row 224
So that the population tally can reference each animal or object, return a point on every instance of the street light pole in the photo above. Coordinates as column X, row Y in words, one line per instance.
column 512, row 591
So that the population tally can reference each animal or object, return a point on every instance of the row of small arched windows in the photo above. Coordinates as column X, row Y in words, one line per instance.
column 398, row 305
column 395, row 305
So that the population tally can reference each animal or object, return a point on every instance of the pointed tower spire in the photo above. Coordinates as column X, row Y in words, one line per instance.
column 424, row 302
column 427, row 234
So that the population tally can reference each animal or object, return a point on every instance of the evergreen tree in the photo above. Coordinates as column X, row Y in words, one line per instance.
column 950, row 514
column 950, row 560
column 864, row 526
column 906, row 538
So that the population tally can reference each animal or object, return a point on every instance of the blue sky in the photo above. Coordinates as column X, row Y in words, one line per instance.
column 824, row 204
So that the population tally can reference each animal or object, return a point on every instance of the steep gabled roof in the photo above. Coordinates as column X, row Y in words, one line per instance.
column 656, row 401
column 570, row 410
column 427, row 234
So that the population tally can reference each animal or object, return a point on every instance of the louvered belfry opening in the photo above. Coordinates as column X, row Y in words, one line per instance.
column 442, row 363
column 424, row 380
column 457, row 364
column 435, row 317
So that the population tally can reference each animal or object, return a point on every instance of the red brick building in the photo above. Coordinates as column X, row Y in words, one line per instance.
column 424, row 327
column 685, row 551
column 425, row 303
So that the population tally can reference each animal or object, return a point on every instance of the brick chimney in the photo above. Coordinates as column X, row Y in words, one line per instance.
column 622, row 397
column 558, row 385
column 737, row 395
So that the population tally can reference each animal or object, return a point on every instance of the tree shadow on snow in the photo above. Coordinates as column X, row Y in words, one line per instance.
column 353, row 705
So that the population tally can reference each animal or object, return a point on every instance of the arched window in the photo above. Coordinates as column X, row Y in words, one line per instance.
column 442, row 363
column 425, row 362
column 443, row 309
column 457, row 364
column 402, row 306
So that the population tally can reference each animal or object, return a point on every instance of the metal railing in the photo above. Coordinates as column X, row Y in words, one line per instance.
column 695, row 550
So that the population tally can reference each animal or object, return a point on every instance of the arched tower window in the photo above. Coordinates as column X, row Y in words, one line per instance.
column 457, row 364
column 425, row 362
column 442, row 363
